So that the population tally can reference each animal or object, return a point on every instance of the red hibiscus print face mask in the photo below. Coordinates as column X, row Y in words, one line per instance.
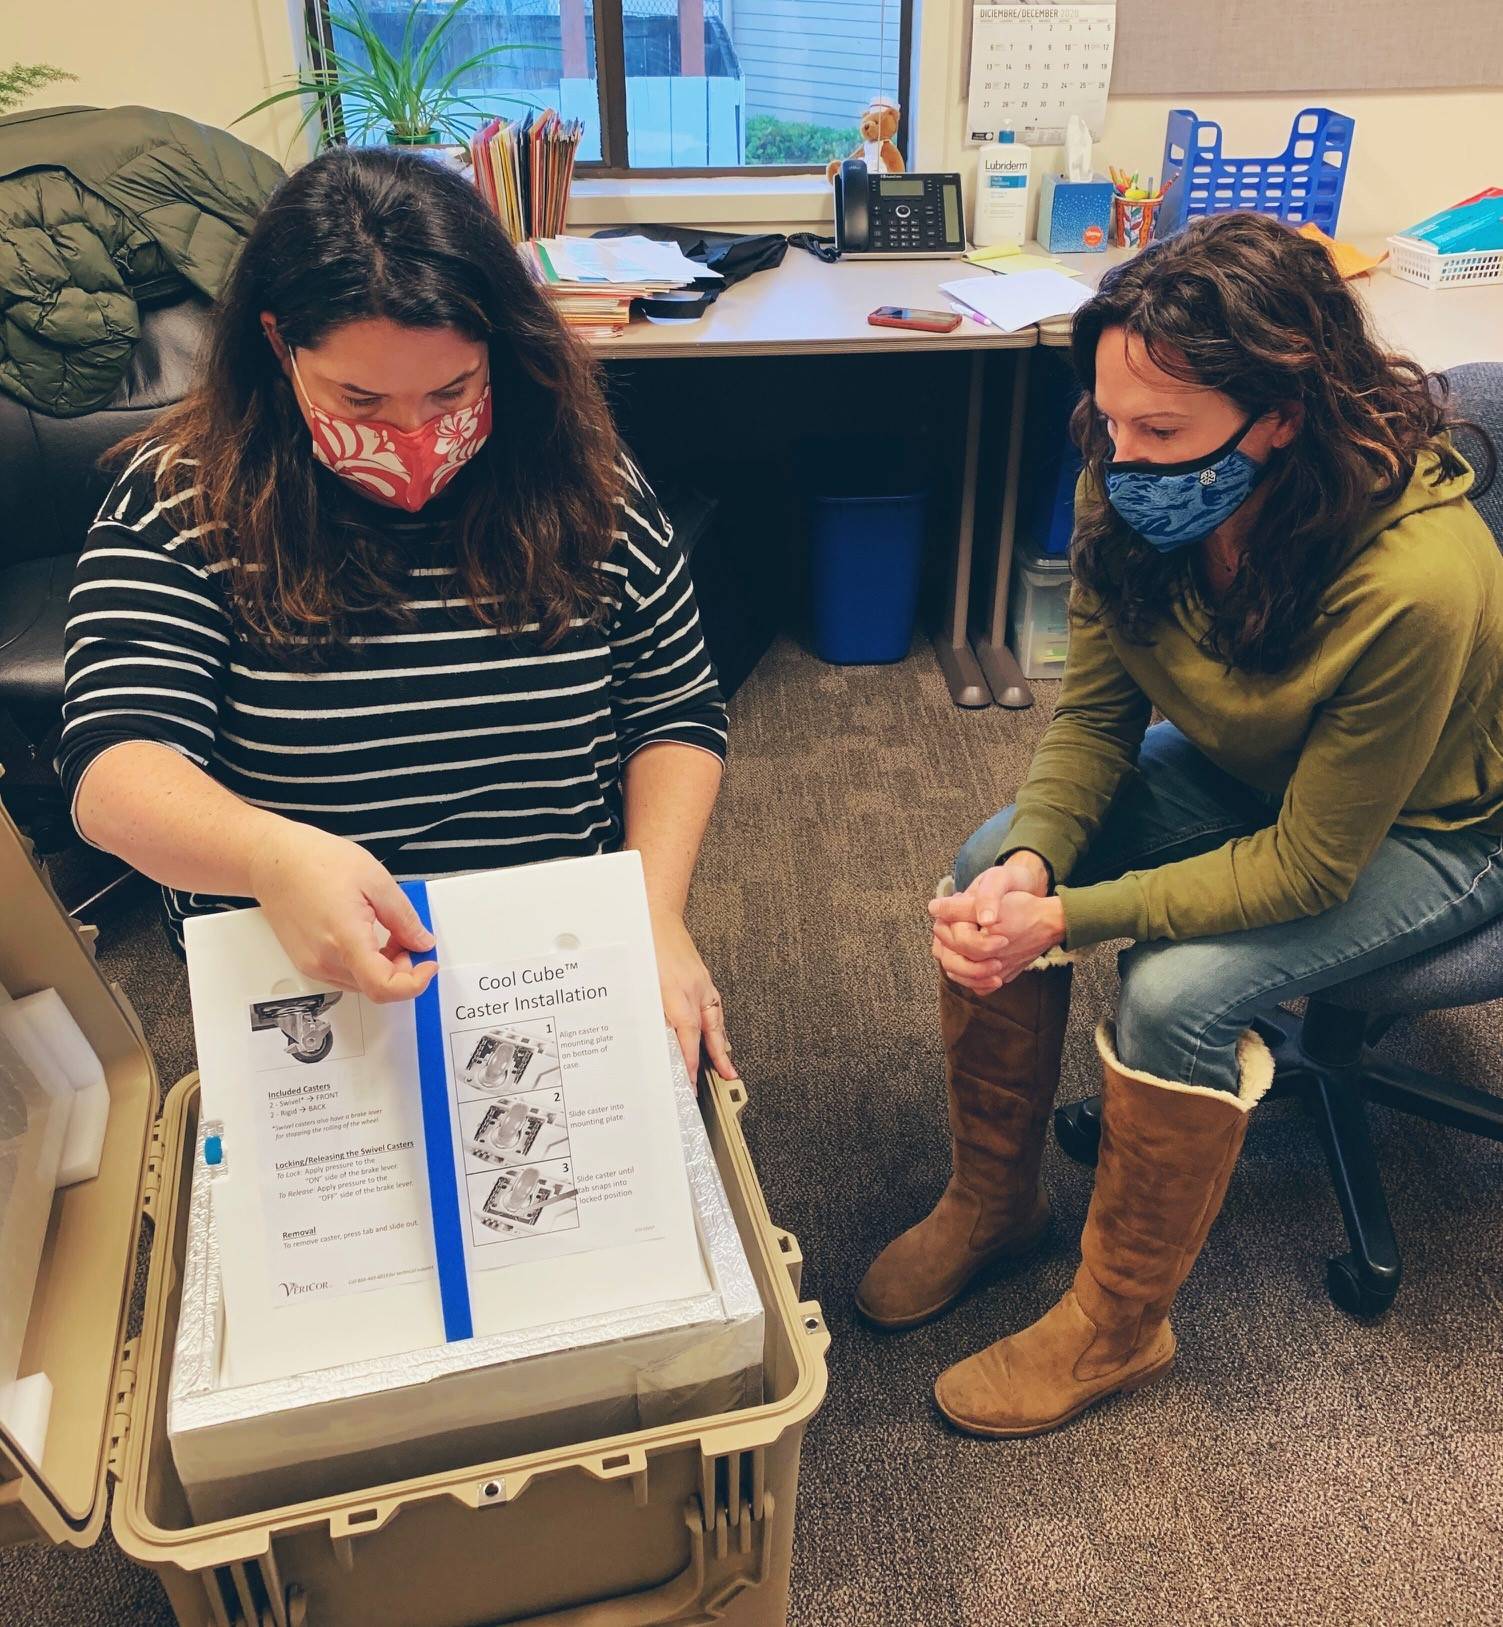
column 403, row 467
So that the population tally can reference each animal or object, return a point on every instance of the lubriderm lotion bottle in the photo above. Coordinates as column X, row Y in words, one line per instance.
column 1002, row 172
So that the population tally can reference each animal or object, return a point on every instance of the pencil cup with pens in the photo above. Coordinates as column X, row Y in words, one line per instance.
column 1134, row 208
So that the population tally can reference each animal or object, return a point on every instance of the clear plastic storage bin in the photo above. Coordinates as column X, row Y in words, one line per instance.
column 1038, row 625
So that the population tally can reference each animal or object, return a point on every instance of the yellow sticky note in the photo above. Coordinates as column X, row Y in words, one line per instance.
column 1009, row 257
column 1032, row 262
column 996, row 251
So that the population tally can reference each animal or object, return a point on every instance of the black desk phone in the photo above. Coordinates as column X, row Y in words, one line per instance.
column 897, row 217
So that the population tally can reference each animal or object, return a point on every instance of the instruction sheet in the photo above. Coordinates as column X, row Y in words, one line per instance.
column 337, row 1147
column 567, row 1160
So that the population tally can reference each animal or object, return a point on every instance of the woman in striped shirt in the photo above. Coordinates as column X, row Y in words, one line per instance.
column 385, row 598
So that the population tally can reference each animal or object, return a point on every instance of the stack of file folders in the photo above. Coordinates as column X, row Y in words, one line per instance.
column 524, row 168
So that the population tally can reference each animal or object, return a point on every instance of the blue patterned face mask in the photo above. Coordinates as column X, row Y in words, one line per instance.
column 1171, row 505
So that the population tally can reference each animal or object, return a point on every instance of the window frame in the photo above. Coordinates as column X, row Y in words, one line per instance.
column 610, row 72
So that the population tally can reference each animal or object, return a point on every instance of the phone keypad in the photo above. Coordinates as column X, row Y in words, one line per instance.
column 912, row 225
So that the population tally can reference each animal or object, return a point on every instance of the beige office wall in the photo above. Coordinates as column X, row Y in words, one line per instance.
column 209, row 59
column 1414, row 151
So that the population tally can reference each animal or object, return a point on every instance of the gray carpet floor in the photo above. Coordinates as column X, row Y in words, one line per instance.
column 1295, row 1467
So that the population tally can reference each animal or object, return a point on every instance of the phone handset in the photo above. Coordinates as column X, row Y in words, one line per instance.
column 853, row 207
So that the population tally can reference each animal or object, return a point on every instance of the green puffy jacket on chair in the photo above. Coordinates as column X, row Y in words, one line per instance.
column 103, row 211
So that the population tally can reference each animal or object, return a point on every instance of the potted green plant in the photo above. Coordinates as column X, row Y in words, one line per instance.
column 402, row 93
column 21, row 78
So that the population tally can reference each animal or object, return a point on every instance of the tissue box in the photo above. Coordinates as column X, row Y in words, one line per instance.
column 1075, row 216
column 240, row 1450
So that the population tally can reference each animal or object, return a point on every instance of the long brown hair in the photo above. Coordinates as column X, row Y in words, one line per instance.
column 1246, row 306
column 372, row 233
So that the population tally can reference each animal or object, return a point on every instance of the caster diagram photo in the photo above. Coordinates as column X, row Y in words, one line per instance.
column 308, row 1032
column 525, row 1202
column 512, row 1060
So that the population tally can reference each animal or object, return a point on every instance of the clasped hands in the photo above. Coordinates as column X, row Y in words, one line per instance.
column 998, row 926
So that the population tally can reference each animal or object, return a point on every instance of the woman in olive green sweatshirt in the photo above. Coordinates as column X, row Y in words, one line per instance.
column 1274, row 547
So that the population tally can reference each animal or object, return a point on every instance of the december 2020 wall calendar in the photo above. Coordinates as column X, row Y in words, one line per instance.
column 1035, row 64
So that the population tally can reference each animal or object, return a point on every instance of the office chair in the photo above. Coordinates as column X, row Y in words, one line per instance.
column 51, row 485
column 1327, row 1060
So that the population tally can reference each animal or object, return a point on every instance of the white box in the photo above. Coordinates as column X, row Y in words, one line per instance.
column 259, row 1446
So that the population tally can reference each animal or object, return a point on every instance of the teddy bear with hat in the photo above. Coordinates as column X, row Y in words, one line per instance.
column 879, row 124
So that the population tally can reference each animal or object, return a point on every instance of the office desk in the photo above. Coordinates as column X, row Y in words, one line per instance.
column 808, row 308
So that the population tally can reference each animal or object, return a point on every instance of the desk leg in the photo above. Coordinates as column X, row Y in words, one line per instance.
column 998, row 663
column 951, row 642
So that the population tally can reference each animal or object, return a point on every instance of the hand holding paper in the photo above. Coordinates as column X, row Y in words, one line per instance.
column 339, row 915
column 691, row 1002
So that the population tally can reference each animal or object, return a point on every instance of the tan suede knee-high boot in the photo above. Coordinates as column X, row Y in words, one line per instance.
column 1002, row 1071
column 1167, row 1154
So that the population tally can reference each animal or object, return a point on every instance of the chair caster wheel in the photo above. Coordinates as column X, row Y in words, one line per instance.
column 1353, row 1293
column 317, row 1047
column 1077, row 1128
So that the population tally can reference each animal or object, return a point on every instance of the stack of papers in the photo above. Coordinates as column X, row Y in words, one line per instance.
column 593, row 280
column 1016, row 301
column 524, row 167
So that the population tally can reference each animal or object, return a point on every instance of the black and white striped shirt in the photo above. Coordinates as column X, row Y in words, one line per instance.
column 442, row 746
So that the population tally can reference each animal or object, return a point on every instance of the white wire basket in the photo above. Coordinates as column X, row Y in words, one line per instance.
column 1421, row 262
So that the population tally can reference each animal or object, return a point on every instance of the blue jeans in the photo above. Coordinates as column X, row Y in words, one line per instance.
column 1183, row 1005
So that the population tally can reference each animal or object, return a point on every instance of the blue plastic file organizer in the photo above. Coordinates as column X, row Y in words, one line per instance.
column 1303, row 183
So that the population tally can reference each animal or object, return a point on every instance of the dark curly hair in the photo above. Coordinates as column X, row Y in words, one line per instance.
column 360, row 233
column 1245, row 305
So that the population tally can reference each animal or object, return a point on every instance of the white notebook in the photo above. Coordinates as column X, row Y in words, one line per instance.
column 557, row 1184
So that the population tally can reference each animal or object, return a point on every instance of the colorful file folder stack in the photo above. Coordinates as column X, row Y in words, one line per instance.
column 524, row 168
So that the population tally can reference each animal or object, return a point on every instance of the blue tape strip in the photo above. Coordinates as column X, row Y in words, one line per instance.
column 438, row 1142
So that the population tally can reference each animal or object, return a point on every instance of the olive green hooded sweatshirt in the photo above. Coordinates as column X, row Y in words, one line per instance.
column 1392, row 714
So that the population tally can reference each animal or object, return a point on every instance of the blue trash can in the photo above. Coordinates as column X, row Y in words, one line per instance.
column 866, row 508
column 1051, row 462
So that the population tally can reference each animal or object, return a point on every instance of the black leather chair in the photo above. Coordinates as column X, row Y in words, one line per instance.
column 1327, row 1059
column 51, row 486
